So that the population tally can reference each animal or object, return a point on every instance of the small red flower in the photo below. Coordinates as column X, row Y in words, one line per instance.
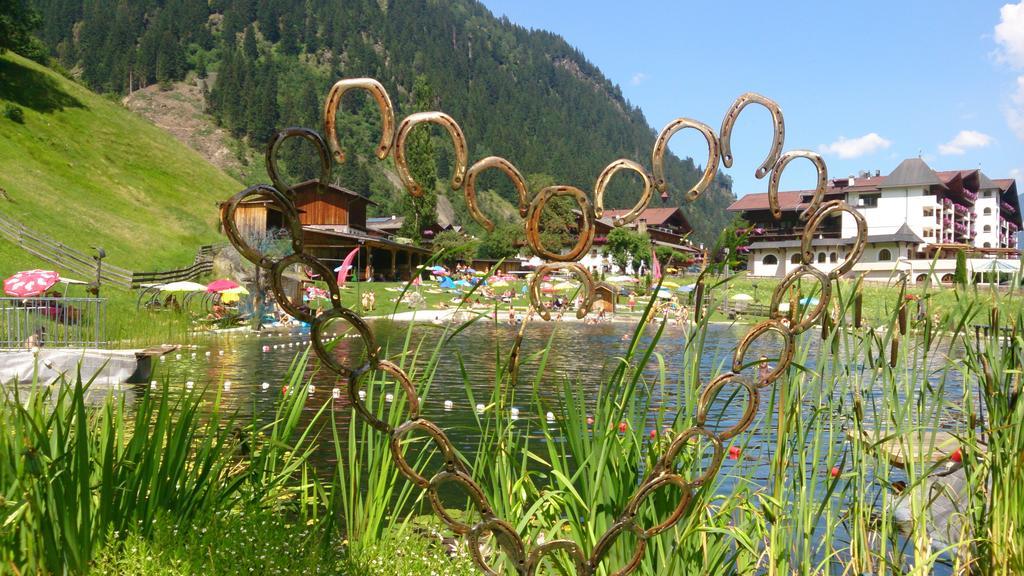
column 284, row 390
column 734, row 452
column 654, row 434
column 834, row 472
column 957, row 456
column 622, row 427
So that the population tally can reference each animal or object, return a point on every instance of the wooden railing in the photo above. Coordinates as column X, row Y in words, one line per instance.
column 62, row 256
column 85, row 266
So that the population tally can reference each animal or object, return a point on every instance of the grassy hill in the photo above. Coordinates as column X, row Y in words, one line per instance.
column 88, row 172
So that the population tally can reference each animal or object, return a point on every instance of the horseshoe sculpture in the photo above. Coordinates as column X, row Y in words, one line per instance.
column 663, row 474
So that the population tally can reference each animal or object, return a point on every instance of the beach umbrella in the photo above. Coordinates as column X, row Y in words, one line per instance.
column 669, row 284
column 447, row 284
column 620, row 278
column 664, row 293
column 220, row 285
column 805, row 301
column 462, row 283
column 499, row 284
column 30, row 283
column 687, row 288
column 183, row 286
column 566, row 286
column 232, row 295
column 742, row 297
column 546, row 287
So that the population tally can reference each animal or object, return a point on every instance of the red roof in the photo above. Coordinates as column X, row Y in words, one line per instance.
column 1004, row 183
column 787, row 201
column 653, row 216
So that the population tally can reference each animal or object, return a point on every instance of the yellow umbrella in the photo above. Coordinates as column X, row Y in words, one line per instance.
column 232, row 295
column 669, row 284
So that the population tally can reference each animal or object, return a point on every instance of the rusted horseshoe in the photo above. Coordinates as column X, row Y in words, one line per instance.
column 661, row 145
column 711, row 392
column 606, row 176
column 778, row 137
column 509, row 170
column 827, row 209
column 458, row 140
column 787, row 349
column 313, row 138
column 780, row 166
column 579, row 271
column 823, row 299
column 587, row 230
column 387, row 114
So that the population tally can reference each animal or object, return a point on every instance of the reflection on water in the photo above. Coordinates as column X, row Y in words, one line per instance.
column 582, row 355
column 247, row 371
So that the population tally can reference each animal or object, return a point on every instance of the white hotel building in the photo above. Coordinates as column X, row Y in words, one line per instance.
column 918, row 219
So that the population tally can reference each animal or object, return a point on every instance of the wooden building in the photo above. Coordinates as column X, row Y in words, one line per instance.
column 333, row 223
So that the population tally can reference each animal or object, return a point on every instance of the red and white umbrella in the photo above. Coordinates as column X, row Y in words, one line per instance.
column 30, row 283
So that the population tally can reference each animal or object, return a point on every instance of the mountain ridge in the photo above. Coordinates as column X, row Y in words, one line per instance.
column 526, row 95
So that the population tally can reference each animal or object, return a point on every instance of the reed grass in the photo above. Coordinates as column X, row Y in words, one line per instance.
column 77, row 470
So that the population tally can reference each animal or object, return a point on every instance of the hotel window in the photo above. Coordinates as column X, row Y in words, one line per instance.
column 987, row 194
column 988, row 211
column 884, row 255
column 821, row 257
column 987, row 228
column 928, row 211
column 770, row 260
column 795, row 259
column 833, row 257
column 869, row 200
column 988, row 245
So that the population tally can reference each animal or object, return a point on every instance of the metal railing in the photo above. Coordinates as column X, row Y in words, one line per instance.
column 53, row 322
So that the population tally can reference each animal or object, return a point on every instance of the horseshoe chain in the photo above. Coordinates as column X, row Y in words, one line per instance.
column 664, row 473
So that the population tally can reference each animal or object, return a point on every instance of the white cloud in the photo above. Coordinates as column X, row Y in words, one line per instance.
column 1015, row 111
column 1009, row 34
column 638, row 78
column 964, row 141
column 1015, row 174
column 856, row 147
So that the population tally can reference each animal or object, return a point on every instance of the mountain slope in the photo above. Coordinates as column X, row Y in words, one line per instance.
column 523, row 94
column 87, row 172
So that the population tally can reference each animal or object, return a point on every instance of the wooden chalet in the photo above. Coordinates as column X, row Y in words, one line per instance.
column 333, row 223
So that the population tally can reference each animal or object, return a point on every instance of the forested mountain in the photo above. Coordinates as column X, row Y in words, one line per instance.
column 523, row 94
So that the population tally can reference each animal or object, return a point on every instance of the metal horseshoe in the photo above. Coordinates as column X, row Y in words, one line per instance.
column 387, row 114
column 458, row 139
column 778, row 137
column 780, row 166
column 606, row 176
column 661, row 144
column 509, row 170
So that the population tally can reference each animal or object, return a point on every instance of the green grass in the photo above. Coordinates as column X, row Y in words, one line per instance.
column 88, row 172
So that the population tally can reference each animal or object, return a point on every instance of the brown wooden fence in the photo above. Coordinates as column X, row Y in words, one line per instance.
column 85, row 266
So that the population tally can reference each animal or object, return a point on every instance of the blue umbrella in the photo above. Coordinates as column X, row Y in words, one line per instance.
column 808, row 301
column 462, row 283
column 447, row 284
column 687, row 288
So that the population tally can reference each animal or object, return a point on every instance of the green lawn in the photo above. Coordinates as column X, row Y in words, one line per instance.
column 88, row 172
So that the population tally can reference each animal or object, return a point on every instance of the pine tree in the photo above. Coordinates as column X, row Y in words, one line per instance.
column 249, row 47
column 421, row 213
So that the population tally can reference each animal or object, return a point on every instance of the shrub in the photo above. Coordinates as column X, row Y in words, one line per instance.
column 14, row 113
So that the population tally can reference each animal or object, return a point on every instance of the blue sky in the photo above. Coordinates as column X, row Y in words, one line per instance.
column 866, row 84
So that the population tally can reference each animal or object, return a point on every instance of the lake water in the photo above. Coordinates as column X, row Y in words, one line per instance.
column 583, row 354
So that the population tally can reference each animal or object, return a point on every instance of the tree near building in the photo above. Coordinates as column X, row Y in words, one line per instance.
column 503, row 242
column 728, row 252
column 625, row 245
column 420, row 212
column 454, row 247
column 960, row 273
